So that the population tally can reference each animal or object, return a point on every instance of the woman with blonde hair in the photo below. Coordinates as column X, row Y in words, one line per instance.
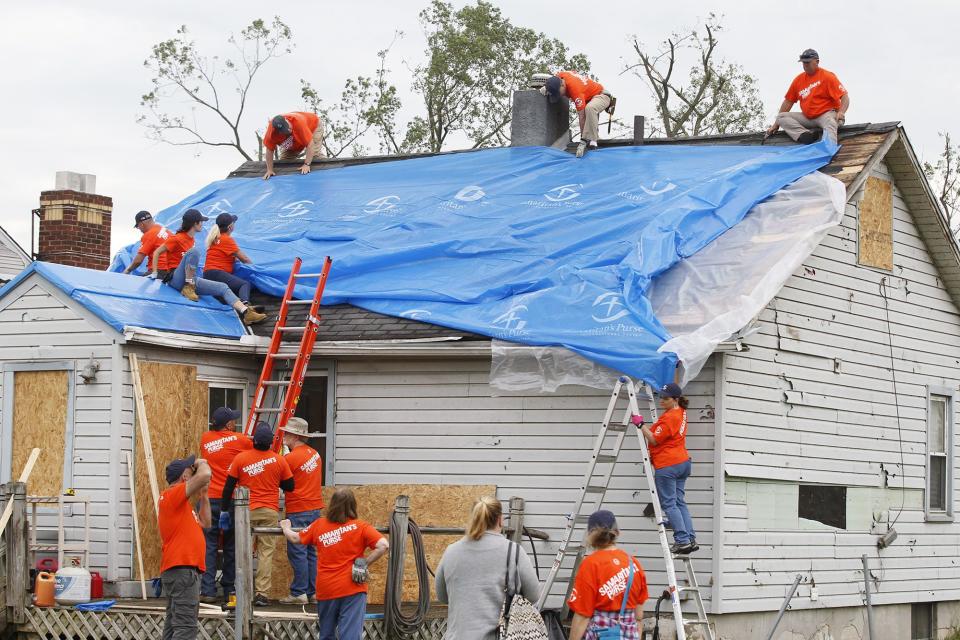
column 222, row 256
column 471, row 577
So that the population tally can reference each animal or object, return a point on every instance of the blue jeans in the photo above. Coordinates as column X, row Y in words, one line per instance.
column 237, row 284
column 208, row 586
column 204, row 287
column 303, row 557
column 342, row 617
column 670, row 483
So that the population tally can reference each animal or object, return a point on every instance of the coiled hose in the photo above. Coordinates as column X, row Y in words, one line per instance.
column 397, row 623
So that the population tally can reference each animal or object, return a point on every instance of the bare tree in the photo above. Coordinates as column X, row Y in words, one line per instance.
column 944, row 174
column 217, row 89
column 712, row 97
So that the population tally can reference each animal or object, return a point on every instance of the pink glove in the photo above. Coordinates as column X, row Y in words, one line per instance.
column 637, row 420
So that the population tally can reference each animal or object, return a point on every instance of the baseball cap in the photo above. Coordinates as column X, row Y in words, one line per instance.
column 262, row 434
column 192, row 216
column 552, row 85
column 176, row 468
column 223, row 415
column 297, row 427
column 671, row 390
column 280, row 125
column 809, row 54
column 224, row 220
column 140, row 217
column 602, row 519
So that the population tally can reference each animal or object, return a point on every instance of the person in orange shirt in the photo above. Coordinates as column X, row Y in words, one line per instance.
column 610, row 587
column 154, row 235
column 181, row 533
column 823, row 103
column 589, row 99
column 340, row 540
column 302, row 506
column 219, row 446
column 293, row 134
column 264, row 473
column 222, row 254
column 667, row 440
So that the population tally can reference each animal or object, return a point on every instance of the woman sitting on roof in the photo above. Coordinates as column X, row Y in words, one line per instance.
column 222, row 254
column 184, row 274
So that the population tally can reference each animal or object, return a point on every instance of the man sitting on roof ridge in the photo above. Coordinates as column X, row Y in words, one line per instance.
column 823, row 103
column 294, row 133
column 589, row 99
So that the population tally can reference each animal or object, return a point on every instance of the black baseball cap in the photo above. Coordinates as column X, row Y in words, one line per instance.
column 280, row 125
column 809, row 54
column 192, row 216
column 602, row 519
column 552, row 86
column 140, row 217
column 222, row 415
column 671, row 390
column 224, row 220
column 176, row 468
column 262, row 434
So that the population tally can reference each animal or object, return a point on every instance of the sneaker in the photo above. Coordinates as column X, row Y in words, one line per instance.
column 189, row 292
column 210, row 599
column 581, row 148
column 250, row 316
column 313, row 600
column 683, row 549
column 261, row 600
column 808, row 137
column 300, row 599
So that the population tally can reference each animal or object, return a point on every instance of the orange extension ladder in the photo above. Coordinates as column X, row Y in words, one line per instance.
column 288, row 389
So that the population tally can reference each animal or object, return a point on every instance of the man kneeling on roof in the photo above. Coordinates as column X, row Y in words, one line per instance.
column 294, row 134
column 183, row 272
column 588, row 98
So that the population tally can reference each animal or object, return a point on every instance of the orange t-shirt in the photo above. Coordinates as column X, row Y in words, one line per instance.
column 222, row 254
column 261, row 472
column 177, row 245
column 580, row 88
column 816, row 94
column 602, row 579
column 670, row 432
column 307, row 468
column 302, row 126
column 150, row 242
column 180, row 531
column 338, row 545
column 219, row 448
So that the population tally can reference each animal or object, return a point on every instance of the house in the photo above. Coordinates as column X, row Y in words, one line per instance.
column 13, row 259
column 828, row 425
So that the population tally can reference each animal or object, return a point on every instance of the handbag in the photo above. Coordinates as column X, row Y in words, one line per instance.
column 519, row 618
column 616, row 633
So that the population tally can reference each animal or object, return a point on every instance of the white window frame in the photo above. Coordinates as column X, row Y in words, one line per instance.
column 229, row 383
column 949, row 396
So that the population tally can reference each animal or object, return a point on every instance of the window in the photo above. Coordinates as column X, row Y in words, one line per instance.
column 923, row 620
column 226, row 397
column 939, row 502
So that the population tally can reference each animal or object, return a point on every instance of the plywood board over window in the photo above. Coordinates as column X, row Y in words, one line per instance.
column 40, row 406
column 875, row 225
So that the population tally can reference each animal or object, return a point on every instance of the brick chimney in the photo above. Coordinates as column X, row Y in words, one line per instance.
column 75, row 223
column 537, row 122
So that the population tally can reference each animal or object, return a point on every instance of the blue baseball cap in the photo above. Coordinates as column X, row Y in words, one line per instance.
column 176, row 468
column 671, row 390
column 222, row 415
column 262, row 434
column 602, row 519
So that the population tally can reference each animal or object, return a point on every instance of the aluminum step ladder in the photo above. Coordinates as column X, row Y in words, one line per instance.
column 592, row 491
column 278, row 395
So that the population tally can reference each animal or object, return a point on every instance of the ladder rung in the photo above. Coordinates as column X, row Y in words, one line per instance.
column 580, row 518
column 288, row 356
column 685, row 621
column 307, row 275
column 282, row 329
column 299, row 301
column 276, row 383
column 606, row 457
column 595, row 488
column 269, row 411
column 616, row 427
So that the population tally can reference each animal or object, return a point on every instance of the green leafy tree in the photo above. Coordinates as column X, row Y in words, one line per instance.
column 944, row 176
column 199, row 100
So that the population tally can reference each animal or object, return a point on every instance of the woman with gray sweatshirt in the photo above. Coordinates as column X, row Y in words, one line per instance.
column 470, row 577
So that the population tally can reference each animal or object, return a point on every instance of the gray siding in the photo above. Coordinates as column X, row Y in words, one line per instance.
column 437, row 421
column 12, row 260
column 812, row 401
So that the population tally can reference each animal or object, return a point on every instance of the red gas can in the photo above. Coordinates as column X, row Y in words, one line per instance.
column 96, row 585
column 47, row 564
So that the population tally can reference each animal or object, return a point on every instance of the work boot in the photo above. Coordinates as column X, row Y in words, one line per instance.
column 809, row 137
column 683, row 549
column 189, row 292
column 291, row 599
column 259, row 308
column 250, row 316
column 261, row 600
column 210, row 599
column 581, row 148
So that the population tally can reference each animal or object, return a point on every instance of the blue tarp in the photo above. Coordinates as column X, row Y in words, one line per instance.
column 131, row 301
column 524, row 244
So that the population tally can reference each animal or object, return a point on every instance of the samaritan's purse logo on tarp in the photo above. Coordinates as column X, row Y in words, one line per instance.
column 470, row 193
column 295, row 209
column 511, row 323
column 415, row 314
column 563, row 193
column 382, row 205
column 608, row 307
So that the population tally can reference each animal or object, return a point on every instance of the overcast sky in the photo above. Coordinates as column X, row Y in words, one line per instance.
column 74, row 74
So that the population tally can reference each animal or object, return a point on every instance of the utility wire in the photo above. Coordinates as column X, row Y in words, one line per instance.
column 896, row 399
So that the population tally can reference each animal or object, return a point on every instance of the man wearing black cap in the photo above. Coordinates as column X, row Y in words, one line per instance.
column 588, row 98
column 293, row 134
column 181, row 530
column 823, row 103
column 154, row 235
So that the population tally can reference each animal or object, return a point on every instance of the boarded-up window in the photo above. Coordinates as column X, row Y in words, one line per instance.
column 875, row 247
column 40, row 400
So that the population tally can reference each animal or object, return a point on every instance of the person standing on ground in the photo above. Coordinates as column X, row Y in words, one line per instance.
column 222, row 255
column 264, row 473
column 597, row 598
column 470, row 576
column 823, row 103
column 182, row 557
column 219, row 446
column 183, row 272
column 154, row 235
column 589, row 99
column 341, row 540
column 294, row 134
column 667, row 439
column 303, row 506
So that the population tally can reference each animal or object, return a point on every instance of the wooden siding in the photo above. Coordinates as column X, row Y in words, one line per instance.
column 812, row 401
column 437, row 421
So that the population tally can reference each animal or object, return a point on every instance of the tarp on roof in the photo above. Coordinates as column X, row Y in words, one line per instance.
column 131, row 301
column 529, row 244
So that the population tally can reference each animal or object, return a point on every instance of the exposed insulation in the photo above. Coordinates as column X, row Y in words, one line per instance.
column 430, row 505
column 176, row 404
column 876, row 224
column 40, row 420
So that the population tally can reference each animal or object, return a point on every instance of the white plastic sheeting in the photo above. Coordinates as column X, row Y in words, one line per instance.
column 706, row 298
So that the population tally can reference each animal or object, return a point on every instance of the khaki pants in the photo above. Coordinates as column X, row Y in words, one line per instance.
column 591, row 125
column 316, row 144
column 795, row 123
column 266, row 545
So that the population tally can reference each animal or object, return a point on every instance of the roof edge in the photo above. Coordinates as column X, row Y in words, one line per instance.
column 13, row 244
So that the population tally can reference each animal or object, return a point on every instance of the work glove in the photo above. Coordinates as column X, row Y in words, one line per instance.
column 226, row 522
column 637, row 420
column 359, row 573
